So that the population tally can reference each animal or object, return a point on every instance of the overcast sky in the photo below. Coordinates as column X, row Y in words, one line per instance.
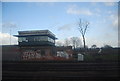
column 61, row 18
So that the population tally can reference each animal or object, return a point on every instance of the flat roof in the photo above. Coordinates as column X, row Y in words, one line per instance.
column 36, row 33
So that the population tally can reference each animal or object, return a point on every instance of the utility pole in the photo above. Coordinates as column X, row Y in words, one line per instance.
column 10, row 36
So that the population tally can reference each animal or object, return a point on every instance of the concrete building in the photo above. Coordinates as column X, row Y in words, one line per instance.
column 37, row 44
column 36, row 38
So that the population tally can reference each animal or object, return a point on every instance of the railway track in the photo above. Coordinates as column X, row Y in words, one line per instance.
column 85, row 71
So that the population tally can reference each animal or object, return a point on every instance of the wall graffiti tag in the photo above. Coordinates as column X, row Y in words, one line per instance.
column 31, row 54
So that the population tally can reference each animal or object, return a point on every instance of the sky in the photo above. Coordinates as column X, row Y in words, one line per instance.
column 62, row 19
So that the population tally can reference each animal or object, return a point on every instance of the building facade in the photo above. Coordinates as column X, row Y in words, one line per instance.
column 36, row 38
column 36, row 45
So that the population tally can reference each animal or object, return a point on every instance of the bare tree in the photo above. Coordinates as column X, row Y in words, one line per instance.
column 67, row 42
column 76, row 42
column 83, row 26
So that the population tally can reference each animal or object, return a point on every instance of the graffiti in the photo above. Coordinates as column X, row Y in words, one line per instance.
column 63, row 54
column 31, row 54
